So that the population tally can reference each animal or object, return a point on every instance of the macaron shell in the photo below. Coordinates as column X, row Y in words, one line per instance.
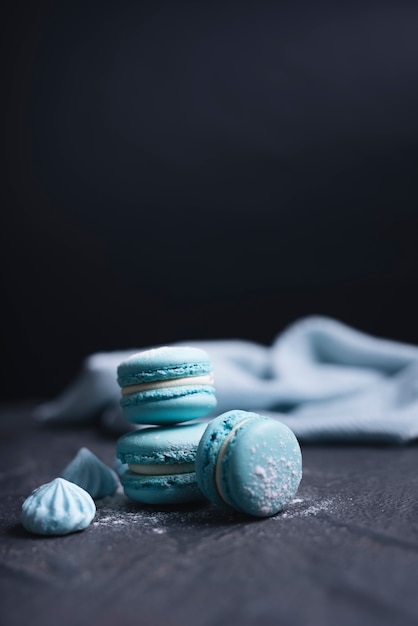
column 210, row 444
column 160, row 445
column 162, row 364
column 165, row 489
column 261, row 469
column 169, row 405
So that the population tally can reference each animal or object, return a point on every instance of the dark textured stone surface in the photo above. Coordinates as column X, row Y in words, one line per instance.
column 344, row 552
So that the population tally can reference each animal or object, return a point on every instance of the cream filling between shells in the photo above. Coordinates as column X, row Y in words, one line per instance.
column 204, row 379
column 219, row 459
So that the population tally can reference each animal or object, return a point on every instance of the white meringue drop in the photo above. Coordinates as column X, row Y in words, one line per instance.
column 87, row 471
column 57, row 508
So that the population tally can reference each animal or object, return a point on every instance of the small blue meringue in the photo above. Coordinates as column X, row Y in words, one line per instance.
column 58, row 508
column 90, row 473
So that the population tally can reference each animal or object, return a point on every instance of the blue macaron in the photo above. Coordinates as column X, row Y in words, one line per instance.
column 161, row 463
column 166, row 385
column 249, row 463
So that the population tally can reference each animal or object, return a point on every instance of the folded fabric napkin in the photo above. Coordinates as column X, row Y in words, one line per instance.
column 328, row 382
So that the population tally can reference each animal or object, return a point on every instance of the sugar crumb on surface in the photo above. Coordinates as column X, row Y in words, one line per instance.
column 300, row 507
column 260, row 471
column 119, row 513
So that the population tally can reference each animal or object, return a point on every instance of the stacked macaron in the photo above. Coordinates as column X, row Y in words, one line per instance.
column 164, row 388
column 239, row 461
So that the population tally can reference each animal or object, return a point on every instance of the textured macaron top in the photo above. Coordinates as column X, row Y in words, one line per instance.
column 162, row 445
column 164, row 363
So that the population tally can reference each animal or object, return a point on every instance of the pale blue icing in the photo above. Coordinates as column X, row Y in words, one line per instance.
column 90, row 473
column 58, row 508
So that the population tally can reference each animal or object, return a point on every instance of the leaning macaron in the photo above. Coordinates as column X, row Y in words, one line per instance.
column 249, row 463
column 161, row 463
column 166, row 385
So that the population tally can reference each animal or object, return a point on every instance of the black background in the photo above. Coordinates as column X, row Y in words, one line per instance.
column 187, row 170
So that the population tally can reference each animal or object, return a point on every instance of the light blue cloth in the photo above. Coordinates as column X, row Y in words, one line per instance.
column 326, row 381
